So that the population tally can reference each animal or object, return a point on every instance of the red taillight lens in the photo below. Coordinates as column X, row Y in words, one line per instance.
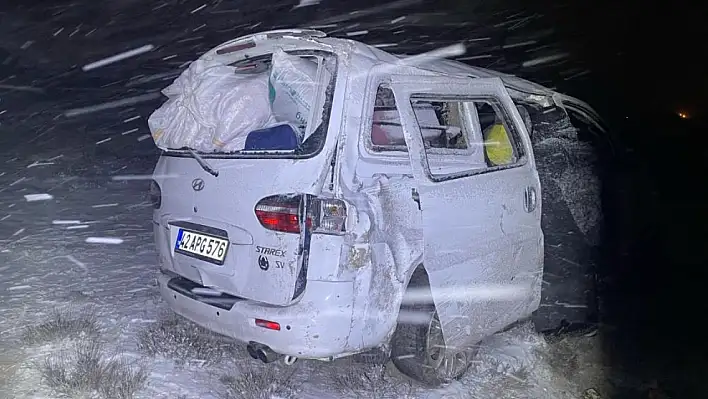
column 271, row 325
column 279, row 220
column 280, row 213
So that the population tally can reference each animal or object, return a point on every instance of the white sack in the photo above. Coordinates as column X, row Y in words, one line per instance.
column 211, row 108
column 293, row 88
column 244, row 110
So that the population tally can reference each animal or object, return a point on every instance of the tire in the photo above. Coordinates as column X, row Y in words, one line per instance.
column 412, row 351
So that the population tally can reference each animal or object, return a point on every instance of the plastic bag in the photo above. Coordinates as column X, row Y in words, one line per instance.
column 246, row 108
column 210, row 108
column 292, row 88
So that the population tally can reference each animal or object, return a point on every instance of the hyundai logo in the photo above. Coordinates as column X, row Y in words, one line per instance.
column 263, row 262
column 198, row 184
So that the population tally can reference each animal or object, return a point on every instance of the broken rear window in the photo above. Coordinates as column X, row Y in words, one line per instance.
column 300, row 88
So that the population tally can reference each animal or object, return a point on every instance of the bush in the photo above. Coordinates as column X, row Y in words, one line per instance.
column 87, row 370
column 369, row 380
column 259, row 383
column 61, row 325
column 10, row 360
column 177, row 338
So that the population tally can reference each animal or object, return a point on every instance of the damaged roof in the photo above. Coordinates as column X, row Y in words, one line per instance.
column 519, row 88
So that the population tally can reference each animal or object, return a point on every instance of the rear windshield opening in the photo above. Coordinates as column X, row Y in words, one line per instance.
column 300, row 89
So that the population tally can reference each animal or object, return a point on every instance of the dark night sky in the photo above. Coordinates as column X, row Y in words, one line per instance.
column 633, row 50
column 649, row 55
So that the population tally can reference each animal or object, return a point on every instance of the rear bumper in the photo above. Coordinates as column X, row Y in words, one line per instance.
column 316, row 327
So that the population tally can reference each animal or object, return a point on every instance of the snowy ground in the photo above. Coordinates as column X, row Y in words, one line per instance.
column 71, row 189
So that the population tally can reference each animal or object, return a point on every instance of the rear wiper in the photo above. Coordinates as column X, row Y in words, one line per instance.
column 207, row 168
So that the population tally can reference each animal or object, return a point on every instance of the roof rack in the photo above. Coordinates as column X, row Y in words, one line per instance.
column 278, row 33
column 238, row 43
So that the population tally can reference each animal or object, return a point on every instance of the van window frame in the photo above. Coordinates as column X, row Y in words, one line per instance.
column 515, row 135
column 469, row 121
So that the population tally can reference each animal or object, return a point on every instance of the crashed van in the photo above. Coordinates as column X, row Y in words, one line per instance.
column 376, row 221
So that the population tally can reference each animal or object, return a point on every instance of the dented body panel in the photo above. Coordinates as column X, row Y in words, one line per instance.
column 481, row 248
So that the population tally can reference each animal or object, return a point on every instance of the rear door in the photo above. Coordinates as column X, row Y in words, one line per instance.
column 258, row 262
column 481, row 222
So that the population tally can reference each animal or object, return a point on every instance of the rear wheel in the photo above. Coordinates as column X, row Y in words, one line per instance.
column 418, row 347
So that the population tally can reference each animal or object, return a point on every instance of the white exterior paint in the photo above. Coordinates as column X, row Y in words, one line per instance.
column 482, row 251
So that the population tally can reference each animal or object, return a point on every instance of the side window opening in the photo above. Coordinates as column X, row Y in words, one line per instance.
column 386, row 128
column 459, row 135
column 472, row 135
column 441, row 124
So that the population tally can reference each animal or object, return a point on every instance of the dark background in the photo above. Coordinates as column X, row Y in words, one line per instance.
column 637, row 63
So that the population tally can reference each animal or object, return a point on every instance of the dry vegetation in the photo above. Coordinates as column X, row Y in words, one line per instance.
column 370, row 380
column 578, row 357
column 9, row 363
column 63, row 324
column 181, row 340
column 84, row 368
column 87, row 370
column 262, row 382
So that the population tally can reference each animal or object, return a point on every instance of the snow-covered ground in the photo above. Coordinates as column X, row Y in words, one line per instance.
column 78, row 265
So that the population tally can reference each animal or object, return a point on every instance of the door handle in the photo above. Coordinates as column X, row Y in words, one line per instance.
column 416, row 197
column 530, row 199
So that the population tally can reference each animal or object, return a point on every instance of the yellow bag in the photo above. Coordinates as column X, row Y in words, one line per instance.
column 498, row 146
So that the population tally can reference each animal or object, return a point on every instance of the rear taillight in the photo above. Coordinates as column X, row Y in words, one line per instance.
column 280, row 213
column 155, row 195
column 283, row 213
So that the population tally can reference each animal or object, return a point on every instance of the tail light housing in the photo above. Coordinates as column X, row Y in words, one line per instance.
column 330, row 215
column 155, row 194
column 280, row 213
column 284, row 213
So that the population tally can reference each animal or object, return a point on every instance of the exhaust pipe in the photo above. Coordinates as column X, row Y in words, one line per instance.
column 262, row 352
column 252, row 351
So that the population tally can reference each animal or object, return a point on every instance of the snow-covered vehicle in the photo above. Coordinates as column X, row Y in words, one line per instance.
column 383, row 223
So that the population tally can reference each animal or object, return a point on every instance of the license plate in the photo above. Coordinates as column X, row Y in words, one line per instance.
column 202, row 246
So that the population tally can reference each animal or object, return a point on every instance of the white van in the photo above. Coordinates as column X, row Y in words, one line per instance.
column 386, row 226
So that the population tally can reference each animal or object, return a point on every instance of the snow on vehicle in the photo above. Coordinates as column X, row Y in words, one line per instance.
column 374, row 219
